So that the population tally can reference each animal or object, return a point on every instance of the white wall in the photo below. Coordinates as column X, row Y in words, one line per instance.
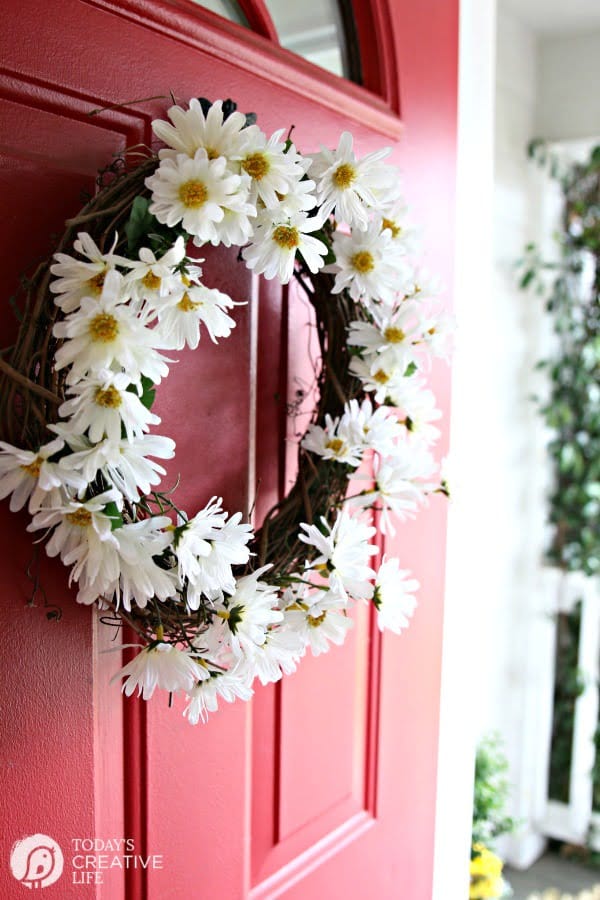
column 569, row 79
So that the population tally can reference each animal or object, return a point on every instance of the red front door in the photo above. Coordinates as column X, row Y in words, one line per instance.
column 324, row 785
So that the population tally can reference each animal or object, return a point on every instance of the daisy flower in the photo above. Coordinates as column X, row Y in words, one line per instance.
column 192, row 130
column 204, row 697
column 28, row 475
column 367, row 266
column 102, row 404
column 214, row 576
column 279, row 655
column 399, row 485
column 75, row 278
column 192, row 538
column 126, row 464
column 196, row 191
column 377, row 429
column 380, row 375
column 272, row 251
column 159, row 665
column 83, row 535
column 419, row 407
column 105, row 333
column 349, row 187
column 394, row 596
column 270, row 167
column 393, row 217
column 150, row 278
column 392, row 336
column 180, row 320
column 140, row 544
column 249, row 612
column 437, row 333
column 318, row 626
column 332, row 442
column 344, row 552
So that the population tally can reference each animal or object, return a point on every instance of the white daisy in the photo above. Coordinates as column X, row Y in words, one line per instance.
column 83, row 535
column 126, row 464
column 332, row 443
column 192, row 130
column 394, row 596
column 192, row 538
column 367, row 266
column 392, row 336
column 214, row 576
column 348, row 187
column 159, row 665
column 75, row 278
column 437, row 333
column 393, row 217
column 319, row 626
column 141, row 578
column 279, row 655
column 249, row 612
column 102, row 405
column 151, row 278
column 400, row 487
column 344, row 552
column 105, row 333
column 271, row 168
column 196, row 191
column 377, row 429
column 180, row 321
column 28, row 475
column 380, row 375
column 204, row 697
column 419, row 407
column 272, row 251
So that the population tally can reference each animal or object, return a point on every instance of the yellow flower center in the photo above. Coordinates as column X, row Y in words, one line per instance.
column 431, row 331
column 343, row 176
column 212, row 153
column 394, row 335
column 151, row 281
column 96, row 283
column 110, row 398
column 193, row 194
column 335, row 444
column 391, row 226
column 104, row 328
column 286, row 236
column 315, row 621
column 256, row 165
column 186, row 304
column 381, row 377
column 33, row 468
column 81, row 517
column 362, row 262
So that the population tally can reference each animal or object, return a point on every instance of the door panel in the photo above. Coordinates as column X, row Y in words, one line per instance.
column 324, row 785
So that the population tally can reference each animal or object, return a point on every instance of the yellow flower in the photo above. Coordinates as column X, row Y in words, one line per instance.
column 486, row 874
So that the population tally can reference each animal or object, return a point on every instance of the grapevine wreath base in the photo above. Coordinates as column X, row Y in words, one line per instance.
column 213, row 604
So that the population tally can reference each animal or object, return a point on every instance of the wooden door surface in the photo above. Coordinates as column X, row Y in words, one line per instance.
column 324, row 785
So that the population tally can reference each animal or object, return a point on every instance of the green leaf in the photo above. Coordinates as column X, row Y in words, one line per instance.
column 112, row 511
column 140, row 223
column 148, row 391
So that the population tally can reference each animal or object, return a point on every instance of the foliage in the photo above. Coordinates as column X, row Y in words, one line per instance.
column 568, row 686
column 491, row 793
column 572, row 410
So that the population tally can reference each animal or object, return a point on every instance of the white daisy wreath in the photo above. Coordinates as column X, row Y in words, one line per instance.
column 214, row 605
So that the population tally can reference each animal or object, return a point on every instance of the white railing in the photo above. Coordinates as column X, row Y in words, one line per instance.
column 575, row 821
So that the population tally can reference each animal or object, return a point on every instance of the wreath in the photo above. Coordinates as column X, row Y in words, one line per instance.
column 213, row 604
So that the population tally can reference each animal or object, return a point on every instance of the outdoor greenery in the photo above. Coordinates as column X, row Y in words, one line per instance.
column 491, row 792
column 489, row 820
column 572, row 409
column 571, row 285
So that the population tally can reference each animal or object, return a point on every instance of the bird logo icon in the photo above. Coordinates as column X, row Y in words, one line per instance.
column 36, row 861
